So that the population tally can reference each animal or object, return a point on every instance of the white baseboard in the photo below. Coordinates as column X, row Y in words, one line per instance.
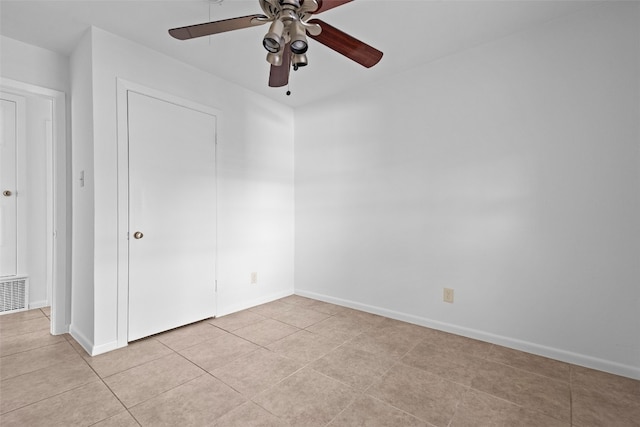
column 38, row 304
column 81, row 339
column 252, row 303
column 88, row 346
column 103, row 348
column 529, row 347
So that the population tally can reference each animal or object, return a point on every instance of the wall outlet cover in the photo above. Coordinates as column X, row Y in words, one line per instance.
column 447, row 295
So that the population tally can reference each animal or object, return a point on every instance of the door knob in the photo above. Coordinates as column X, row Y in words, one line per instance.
column 7, row 193
column 138, row 235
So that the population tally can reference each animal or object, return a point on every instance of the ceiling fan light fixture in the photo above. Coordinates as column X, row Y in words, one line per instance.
column 299, row 60
column 299, row 43
column 273, row 41
column 274, row 59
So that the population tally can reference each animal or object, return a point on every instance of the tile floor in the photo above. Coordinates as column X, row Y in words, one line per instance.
column 297, row 362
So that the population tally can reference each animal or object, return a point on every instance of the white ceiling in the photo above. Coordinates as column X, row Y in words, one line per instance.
column 409, row 32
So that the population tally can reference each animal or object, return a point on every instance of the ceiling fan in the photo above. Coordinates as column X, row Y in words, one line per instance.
column 286, row 41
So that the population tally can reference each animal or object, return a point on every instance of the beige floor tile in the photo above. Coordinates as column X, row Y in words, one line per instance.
column 530, row 362
column 18, row 343
column 367, row 411
column 366, row 320
column 338, row 328
column 81, row 406
column 38, row 358
column 196, row 403
column 213, row 354
column 479, row 409
column 190, row 335
column 525, row 389
column 232, row 322
column 452, row 365
column 250, row 415
column 297, row 300
column 303, row 346
column 421, row 394
column 596, row 407
column 409, row 330
column 21, row 316
column 256, row 371
column 10, row 328
column 271, row 308
column 46, row 311
column 38, row 385
column 347, row 368
column 307, row 398
column 353, row 366
column 603, row 381
column 135, row 354
column 383, row 342
column 123, row 419
column 459, row 343
column 300, row 317
column 325, row 307
column 146, row 381
column 266, row 332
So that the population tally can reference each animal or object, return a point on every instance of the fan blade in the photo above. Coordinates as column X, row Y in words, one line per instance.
column 208, row 28
column 346, row 45
column 329, row 4
column 279, row 76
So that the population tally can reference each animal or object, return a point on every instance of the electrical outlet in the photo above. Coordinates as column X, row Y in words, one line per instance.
column 447, row 295
column 254, row 278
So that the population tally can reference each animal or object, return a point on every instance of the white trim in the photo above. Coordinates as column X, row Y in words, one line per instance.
column 104, row 348
column 38, row 304
column 50, row 215
column 122, row 88
column 57, row 201
column 541, row 350
column 81, row 339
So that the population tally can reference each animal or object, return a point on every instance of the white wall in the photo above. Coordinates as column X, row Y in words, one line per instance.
column 34, row 173
column 31, row 64
column 255, row 180
column 509, row 172
column 83, row 240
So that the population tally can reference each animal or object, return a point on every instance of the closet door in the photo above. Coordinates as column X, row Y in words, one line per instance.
column 8, row 203
column 172, row 215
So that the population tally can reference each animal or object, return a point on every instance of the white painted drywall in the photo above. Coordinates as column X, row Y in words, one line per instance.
column 33, row 245
column 509, row 172
column 31, row 64
column 255, row 180
column 83, row 193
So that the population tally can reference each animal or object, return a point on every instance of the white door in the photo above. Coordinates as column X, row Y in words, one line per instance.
column 172, row 215
column 8, row 204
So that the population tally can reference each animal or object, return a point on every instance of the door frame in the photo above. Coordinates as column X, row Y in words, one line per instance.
column 58, row 287
column 122, row 88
